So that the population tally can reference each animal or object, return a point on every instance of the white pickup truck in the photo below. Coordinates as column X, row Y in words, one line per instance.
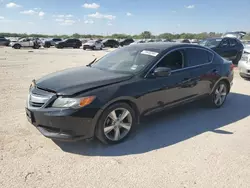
column 26, row 42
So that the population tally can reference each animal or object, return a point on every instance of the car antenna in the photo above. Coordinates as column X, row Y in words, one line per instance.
column 89, row 65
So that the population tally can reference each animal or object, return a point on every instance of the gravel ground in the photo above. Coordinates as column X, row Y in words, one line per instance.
column 192, row 146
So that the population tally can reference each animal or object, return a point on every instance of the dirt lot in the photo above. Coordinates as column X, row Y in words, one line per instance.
column 192, row 146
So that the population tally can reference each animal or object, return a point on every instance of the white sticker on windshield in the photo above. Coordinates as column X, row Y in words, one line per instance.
column 146, row 52
column 134, row 67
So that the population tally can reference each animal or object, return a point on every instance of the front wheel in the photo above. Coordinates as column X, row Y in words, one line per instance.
column 115, row 124
column 17, row 46
column 219, row 95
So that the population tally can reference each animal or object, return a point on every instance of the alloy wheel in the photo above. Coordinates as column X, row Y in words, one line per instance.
column 117, row 124
column 220, row 94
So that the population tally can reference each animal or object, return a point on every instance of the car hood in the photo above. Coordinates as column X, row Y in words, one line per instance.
column 80, row 79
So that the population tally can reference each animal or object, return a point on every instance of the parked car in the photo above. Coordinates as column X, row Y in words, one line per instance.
column 167, row 40
column 110, row 43
column 51, row 42
column 185, row 41
column 194, row 41
column 229, row 48
column 244, row 64
column 4, row 41
column 108, row 97
column 234, row 34
column 93, row 45
column 137, row 42
column 158, row 40
column 126, row 42
column 69, row 43
column 26, row 42
column 246, row 44
column 150, row 40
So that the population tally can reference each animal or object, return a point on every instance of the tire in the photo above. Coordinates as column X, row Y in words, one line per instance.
column 84, row 48
column 219, row 95
column 17, row 46
column 36, row 47
column 47, row 45
column 237, row 59
column 125, row 126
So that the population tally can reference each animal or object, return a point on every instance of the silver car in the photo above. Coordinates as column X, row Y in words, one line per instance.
column 244, row 64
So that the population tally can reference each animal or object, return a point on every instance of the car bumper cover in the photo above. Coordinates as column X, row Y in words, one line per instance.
column 61, row 124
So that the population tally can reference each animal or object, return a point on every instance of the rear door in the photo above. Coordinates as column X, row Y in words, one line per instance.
column 203, row 71
column 234, row 47
column 225, row 49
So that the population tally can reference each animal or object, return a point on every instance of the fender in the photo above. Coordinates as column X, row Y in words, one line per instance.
column 221, row 79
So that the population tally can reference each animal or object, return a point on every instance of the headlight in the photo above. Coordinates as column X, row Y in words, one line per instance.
column 62, row 102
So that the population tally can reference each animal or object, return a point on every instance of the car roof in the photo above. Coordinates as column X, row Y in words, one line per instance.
column 162, row 46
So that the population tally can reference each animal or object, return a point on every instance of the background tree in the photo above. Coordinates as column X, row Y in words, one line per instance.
column 146, row 35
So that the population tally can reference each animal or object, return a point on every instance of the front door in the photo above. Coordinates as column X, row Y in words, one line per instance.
column 166, row 91
column 26, row 43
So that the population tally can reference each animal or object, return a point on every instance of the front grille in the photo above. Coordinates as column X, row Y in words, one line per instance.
column 39, row 98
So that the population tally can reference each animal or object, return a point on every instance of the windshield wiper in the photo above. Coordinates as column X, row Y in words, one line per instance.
column 89, row 65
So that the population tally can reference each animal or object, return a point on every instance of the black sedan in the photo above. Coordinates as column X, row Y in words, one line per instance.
column 69, row 43
column 108, row 97
column 110, row 43
column 229, row 48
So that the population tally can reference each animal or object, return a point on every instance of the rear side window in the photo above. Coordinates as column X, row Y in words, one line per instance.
column 198, row 57
column 232, row 42
column 225, row 43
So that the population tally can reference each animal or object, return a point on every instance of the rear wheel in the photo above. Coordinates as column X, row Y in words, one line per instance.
column 237, row 59
column 115, row 124
column 47, row 45
column 17, row 46
column 219, row 95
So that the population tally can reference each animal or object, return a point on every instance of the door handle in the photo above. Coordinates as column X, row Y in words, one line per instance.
column 215, row 71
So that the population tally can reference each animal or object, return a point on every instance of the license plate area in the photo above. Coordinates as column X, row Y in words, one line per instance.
column 29, row 116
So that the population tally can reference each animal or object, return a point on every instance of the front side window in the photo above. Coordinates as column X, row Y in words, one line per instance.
column 198, row 57
column 128, row 60
column 174, row 60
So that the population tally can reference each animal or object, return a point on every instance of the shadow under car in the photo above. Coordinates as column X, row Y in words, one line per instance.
column 168, row 128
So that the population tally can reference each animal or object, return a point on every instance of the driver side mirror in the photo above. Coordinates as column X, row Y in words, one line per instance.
column 162, row 72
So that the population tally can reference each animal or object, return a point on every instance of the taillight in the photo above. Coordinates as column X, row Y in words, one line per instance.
column 232, row 66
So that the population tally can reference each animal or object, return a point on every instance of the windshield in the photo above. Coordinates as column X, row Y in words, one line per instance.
column 210, row 42
column 21, row 39
column 128, row 60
